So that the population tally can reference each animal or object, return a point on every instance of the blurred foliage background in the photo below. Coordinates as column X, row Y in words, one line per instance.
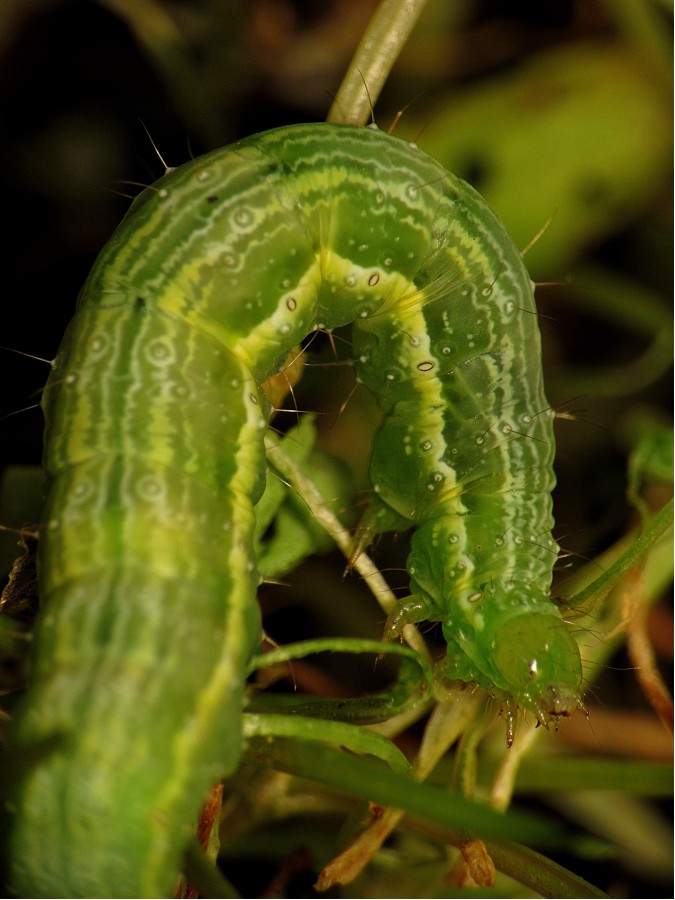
column 559, row 113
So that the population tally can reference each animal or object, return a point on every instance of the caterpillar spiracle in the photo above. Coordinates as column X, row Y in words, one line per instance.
column 154, row 458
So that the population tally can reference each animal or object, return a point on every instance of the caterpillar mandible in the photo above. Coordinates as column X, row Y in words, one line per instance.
column 154, row 457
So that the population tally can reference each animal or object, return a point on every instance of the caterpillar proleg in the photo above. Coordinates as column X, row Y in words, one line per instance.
column 154, row 458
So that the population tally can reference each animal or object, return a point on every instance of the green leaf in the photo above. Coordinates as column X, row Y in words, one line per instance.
column 412, row 686
column 370, row 781
column 350, row 737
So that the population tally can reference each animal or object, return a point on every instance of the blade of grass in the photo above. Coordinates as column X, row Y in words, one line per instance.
column 370, row 781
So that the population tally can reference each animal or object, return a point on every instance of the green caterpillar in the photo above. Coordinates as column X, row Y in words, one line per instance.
column 154, row 456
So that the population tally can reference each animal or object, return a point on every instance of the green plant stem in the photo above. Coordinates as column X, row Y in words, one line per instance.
column 375, row 56
column 316, row 502
column 598, row 589
column 202, row 874
column 538, row 872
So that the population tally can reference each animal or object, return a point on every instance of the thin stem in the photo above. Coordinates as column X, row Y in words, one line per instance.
column 374, row 59
column 315, row 501
column 599, row 588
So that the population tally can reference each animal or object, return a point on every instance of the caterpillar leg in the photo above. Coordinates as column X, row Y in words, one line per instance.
column 377, row 519
column 408, row 611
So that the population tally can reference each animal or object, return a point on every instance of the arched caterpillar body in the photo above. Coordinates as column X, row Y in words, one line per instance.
column 154, row 457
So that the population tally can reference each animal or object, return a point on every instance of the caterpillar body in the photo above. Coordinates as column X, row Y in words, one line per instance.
column 154, row 457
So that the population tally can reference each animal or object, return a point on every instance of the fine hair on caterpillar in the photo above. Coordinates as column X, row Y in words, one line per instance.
column 154, row 453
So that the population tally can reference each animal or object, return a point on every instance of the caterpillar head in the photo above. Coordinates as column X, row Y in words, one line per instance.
column 536, row 660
